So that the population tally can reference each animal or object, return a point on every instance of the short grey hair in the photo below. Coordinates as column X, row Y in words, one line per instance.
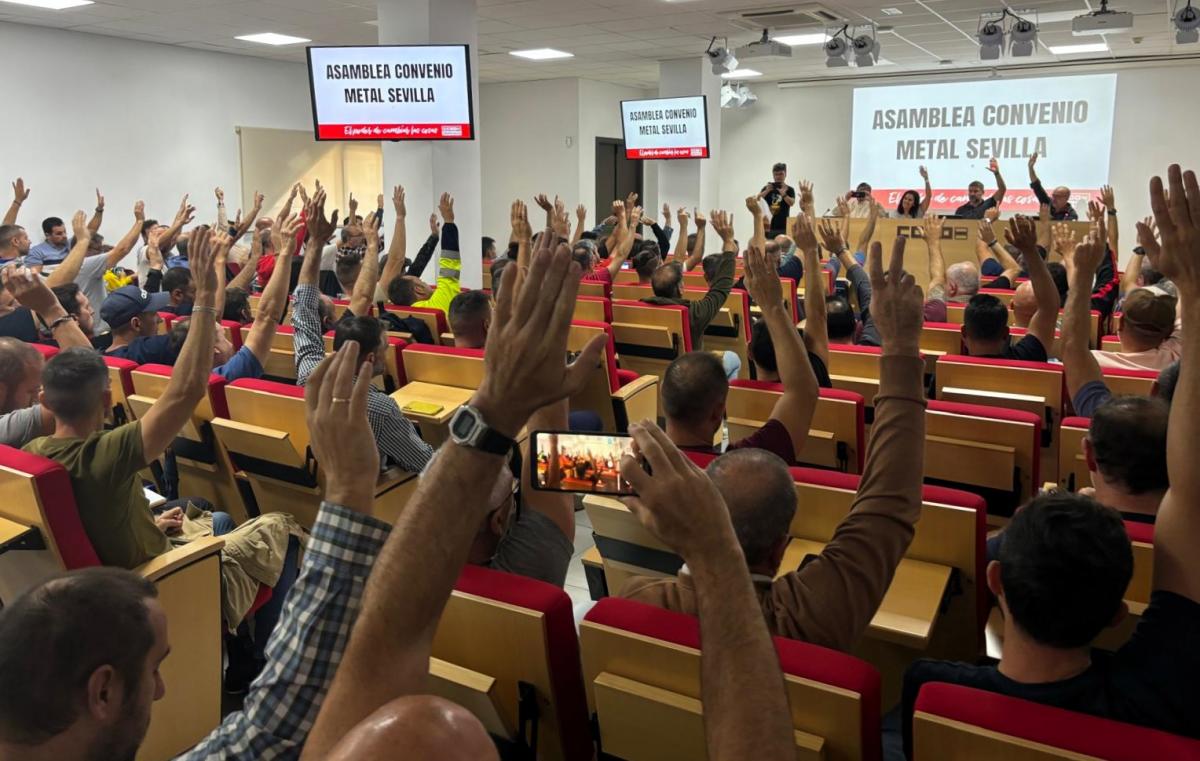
column 965, row 277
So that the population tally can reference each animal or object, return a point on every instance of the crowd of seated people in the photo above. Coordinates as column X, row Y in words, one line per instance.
column 335, row 663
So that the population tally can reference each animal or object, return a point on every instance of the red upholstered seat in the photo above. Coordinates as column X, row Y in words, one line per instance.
column 1129, row 372
column 269, row 387
column 46, row 350
column 449, row 351
column 836, row 394
column 1076, row 422
column 625, row 377
column 124, row 368
column 286, row 330
column 964, row 359
column 796, row 658
column 616, row 378
column 439, row 316
column 562, row 646
column 58, row 503
column 216, row 387
column 235, row 332
column 1056, row 727
column 168, row 318
column 1140, row 532
column 608, row 317
column 685, row 328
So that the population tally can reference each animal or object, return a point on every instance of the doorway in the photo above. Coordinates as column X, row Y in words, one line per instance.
column 616, row 176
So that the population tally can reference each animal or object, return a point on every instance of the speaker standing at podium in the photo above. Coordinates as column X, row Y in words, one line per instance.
column 780, row 198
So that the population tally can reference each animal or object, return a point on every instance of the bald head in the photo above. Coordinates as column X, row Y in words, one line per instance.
column 417, row 726
column 1024, row 304
column 761, row 497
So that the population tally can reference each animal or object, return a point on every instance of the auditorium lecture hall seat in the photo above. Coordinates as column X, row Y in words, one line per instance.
column 856, row 368
column 1111, row 343
column 938, row 338
column 266, row 436
column 48, row 352
column 993, row 451
column 443, row 376
column 649, row 337
column 506, row 649
column 595, row 288
column 1037, row 387
column 120, row 382
column 1073, row 472
column 434, row 319
column 1122, row 381
column 955, row 723
column 593, row 309
column 1004, row 294
column 619, row 397
column 836, row 438
column 203, row 464
column 36, row 492
column 641, row 669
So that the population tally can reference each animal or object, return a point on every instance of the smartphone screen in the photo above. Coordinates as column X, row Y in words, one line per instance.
column 587, row 463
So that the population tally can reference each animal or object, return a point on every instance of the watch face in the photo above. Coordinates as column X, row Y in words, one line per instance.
column 462, row 424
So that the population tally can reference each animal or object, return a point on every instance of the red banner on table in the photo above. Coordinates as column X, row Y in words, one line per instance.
column 394, row 131
column 947, row 200
column 666, row 153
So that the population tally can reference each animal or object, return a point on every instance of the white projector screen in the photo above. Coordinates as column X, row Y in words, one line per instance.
column 955, row 129
column 666, row 128
column 391, row 92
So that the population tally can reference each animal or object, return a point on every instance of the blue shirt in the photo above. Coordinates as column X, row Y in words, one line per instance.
column 46, row 253
column 154, row 350
column 1090, row 397
column 243, row 364
column 176, row 261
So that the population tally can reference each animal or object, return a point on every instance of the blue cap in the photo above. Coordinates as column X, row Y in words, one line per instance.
column 123, row 304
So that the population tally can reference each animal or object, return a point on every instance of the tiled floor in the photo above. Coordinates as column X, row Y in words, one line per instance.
column 576, row 585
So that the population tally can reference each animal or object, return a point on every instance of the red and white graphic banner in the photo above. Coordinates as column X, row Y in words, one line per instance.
column 667, row 153
column 394, row 131
column 1017, row 200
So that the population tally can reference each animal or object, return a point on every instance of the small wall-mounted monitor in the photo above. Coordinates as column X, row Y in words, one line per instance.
column 666, row 128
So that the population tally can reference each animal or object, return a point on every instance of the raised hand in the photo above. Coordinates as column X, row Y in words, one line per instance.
column 20, row 192
column 666, row 212
column 1022, row 233
column 559, row 222
column 1095, row 211
column 762, row 279
column 79, row 226
column 259, row 198
column 630, row 201
column 676, row 501
column 1178, row 220
column 842, row 204
column 524, row 367
column 202, row 258
column 897, row 303
column 682, row 216
column 220, row 194
column 581, row 213
column 1032, row 160
column 701, row 220
column 1147, row 238
column 752, row 205
column 1107, row 197
column 1064, row 238
column 831, row 237
column 371, row 231
column 139, row 211
column 806, row 192
column 541, row 200
column 352, row 216
column 303, row 195
column 518, row 218
column 99, row 200
column 931, row 226
column 804, row 234
column 992, row 214
column 28, row 288
column 435, row 227
column 723, row 224
column 320, row 229
column 398, row 201
column 1090, row 252
column 994, row 167
column 924, row 172
column 987, row 233
column 446, row 207
column 335, row 407
column 289, row 230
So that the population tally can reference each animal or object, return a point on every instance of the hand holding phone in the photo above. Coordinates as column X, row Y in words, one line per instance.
column 583, row 463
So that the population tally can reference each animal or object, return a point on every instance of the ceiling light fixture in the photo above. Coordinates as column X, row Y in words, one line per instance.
column 1016, row 29
column 271, row 38
column 1023, row 37
column 866, row 49
column 51, row 5
column 795, row 40
column 1087, row 47
column 837, row 53
column 861, row 41
column 741, row 74
column 541, row 54
column 737, row 95
column 1187, row 24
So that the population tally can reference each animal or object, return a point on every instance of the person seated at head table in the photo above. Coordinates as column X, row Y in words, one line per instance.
column 1066, row 560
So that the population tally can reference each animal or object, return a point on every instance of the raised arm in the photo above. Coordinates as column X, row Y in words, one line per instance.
column 189, row 382
column 1108, row 198
column 416, row 268
column 98, row 216
column 816, row 328
column 868, row 231
column 69, row 269
column 1176, row 564
column 1001, row 188
column 1133, row 267
column 1035, row 183
column 184, row 216
column 126, row 244
column 1022, row 233
column 745, row 717
column 222, row 214
column 932, row 229
column 697, row 254
column 620, row 242
column 388, row 654
column 928, row 197
column 680, row 253
column 795, row 407
column 363, row 295
column 399, row 245
column 274, row 296
column 987, row 247
column 1079, row 364
column 759, row 238
column 320, row 230
column 244, row 223
column 580, row 223
column 31, row 291
column 20, row 193
column 807, row 204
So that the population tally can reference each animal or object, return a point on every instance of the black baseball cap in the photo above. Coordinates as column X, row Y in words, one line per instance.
column 123, row 304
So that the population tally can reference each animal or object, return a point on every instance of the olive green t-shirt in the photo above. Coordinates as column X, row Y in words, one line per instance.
column 108, row 491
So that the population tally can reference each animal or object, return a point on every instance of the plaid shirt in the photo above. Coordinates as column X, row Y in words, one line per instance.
column 307, row 644
column 397, row 439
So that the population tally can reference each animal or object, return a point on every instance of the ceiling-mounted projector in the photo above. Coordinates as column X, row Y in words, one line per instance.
column 764, row 48
column 1102, row 21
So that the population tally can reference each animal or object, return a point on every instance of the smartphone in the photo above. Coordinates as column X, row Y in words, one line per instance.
column 860, row 194
column 423, row 408
column 583, row 463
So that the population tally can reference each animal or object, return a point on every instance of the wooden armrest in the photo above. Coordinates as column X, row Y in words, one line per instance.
column 635, row 387
column 180, row 557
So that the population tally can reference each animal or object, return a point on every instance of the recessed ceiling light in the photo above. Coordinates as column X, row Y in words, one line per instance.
column 741, row 74
column 813, row 38
column 1087, row 47
column 891, row 11
column 53, row 5
column 541, row 54
column 271, row 38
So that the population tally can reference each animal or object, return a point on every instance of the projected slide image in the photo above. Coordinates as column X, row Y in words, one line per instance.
column 666, row 128
column 956, row 129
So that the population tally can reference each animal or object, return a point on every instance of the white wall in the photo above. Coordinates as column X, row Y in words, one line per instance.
column 809, row 128
column 139, row 120
column 600, row 116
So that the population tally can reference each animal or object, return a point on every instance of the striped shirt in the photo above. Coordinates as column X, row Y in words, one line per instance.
column 307, row 645
column 397, row 439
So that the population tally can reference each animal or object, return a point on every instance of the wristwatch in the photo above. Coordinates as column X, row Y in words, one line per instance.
column 469, row 429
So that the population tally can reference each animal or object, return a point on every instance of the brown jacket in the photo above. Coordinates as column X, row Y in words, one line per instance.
column 832, row 599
